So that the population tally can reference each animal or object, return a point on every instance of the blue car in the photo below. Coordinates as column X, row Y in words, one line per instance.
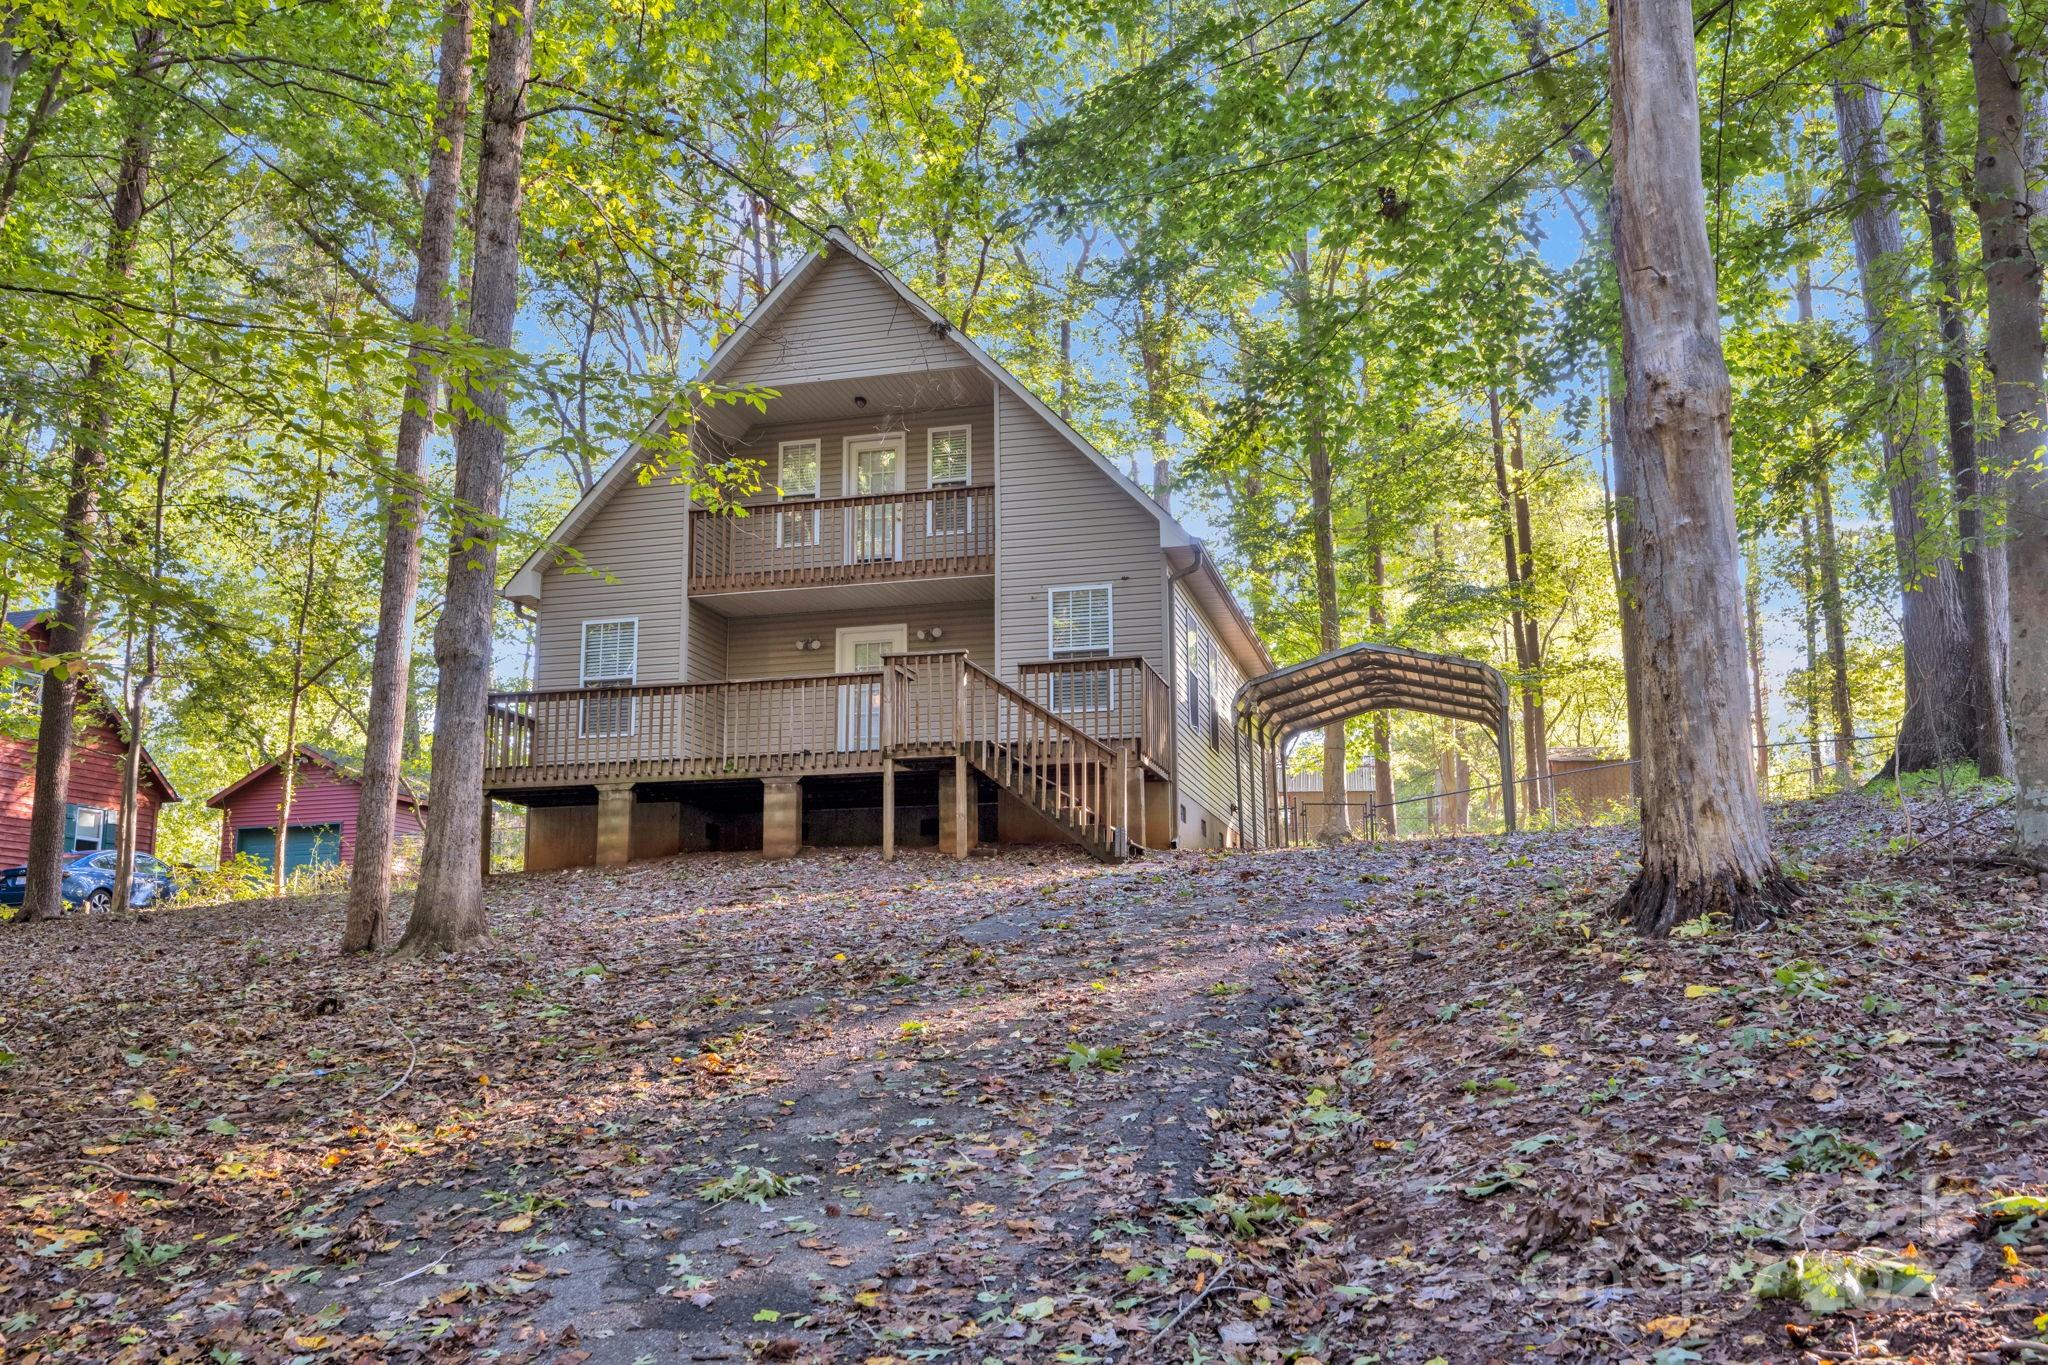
column 89, row 881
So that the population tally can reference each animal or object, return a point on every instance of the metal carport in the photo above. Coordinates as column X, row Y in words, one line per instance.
column 1275, row 707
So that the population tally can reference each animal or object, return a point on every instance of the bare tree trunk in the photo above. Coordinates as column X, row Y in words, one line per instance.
column 1519, row 631
column 1759, row 712
column 448, row 909
column 1812, row 624
column 369, row 890
column 1323, row 527
column 1940, row 725
column 1705, row 845
column 1982, row 581
column 1382, row 722
column 289, row 773
column 1535, row 713
column 2012, row 279
column 1841, row 704
column 140, row 686
column 71, row 624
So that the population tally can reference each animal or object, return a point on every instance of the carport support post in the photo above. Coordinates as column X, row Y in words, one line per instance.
column 1505, row 736
column 614, row 824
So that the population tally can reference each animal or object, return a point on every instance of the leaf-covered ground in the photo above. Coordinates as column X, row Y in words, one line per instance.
column 1405, row 1104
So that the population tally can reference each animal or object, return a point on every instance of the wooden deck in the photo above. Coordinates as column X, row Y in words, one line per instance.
column 1067, row 741
column 814, row 542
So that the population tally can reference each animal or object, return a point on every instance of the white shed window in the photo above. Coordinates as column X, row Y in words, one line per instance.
column 611, row 658
column 796, row 474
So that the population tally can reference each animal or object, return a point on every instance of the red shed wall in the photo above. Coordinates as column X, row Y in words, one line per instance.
column 319, row 797
column 95, row 781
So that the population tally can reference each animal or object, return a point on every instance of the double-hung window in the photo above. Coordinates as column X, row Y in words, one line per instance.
column 949, row 463
column 1079, row 622
column 797, row 476
column 611, row 659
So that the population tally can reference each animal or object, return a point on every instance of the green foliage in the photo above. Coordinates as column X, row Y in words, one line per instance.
column 754, row 1185
column 1829, row 1281
column 1080, row 1057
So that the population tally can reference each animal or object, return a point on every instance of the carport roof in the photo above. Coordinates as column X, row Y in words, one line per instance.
column 1367, row 677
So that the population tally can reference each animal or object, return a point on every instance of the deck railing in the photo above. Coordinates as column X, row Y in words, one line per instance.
column 932, row 533
column 1121, row 699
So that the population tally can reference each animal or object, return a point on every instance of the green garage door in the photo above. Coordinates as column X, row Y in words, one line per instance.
column 304, row 846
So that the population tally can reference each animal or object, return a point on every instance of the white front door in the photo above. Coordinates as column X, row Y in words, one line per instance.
column 874, row 467
column 860, row 702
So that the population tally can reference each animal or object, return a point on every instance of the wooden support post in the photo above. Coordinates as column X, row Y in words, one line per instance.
column 614, row 824
column 963, row 807
column 888, row 810
column 486, row 841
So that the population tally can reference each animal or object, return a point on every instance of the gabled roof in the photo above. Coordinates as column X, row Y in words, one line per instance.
column 524, row 585
column 33, row 617
column 319, row 758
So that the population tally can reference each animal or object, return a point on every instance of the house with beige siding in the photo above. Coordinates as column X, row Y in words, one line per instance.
column 925, row 611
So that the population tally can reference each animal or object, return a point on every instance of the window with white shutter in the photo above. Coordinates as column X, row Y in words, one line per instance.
column 611, row 658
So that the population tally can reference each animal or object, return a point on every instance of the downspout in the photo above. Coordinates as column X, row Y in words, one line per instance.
column 1173, row 662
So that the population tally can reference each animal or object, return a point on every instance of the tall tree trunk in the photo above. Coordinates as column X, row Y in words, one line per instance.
column 1336, row 821
column 1812, row 626
column 1759, row 712
column 70, row 628
column 1940, row 725
column 369, row 890
column 1705, row 846
column 1535, row 714
column 1382, row 722
column 141, row 685
column 2012, row 279
column 448, row 908
column 1518, row 625
column 1840, row 704
column 1565, row 112
column 1982, row 581
column 288, row 774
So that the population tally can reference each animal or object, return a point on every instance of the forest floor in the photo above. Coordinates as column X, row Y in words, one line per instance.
column 1408, row 1104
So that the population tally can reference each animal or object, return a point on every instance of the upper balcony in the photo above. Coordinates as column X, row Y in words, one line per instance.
column 818, row 542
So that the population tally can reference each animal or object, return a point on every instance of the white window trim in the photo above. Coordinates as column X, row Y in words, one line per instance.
column 893, row 438
column 965, row 429
column 899, row 635
column 781, row 463
column 583, row 730
column 1109, row 593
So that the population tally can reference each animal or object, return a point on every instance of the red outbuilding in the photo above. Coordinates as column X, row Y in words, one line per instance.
column 320, row 828
column 99, row 752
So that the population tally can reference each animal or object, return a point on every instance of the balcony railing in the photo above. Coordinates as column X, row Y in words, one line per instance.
column 1117, row 700
column 934, row 533
column 834, row 722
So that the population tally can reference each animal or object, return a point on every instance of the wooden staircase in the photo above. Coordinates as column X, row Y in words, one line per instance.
column 942, row 704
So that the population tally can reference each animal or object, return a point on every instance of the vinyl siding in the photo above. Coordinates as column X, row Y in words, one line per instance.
column 1208, row 779
column 707, row 644
column 765, row 646
column 763, row 442
column 319, row 797
column 844, row 323
column 640, row 541
column 1061, row 521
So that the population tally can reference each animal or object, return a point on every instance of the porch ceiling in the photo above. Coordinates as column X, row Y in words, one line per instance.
column 922, row 592
column 890, row 397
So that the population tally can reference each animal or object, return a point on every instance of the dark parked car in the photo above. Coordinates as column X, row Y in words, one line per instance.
column 89, row 881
